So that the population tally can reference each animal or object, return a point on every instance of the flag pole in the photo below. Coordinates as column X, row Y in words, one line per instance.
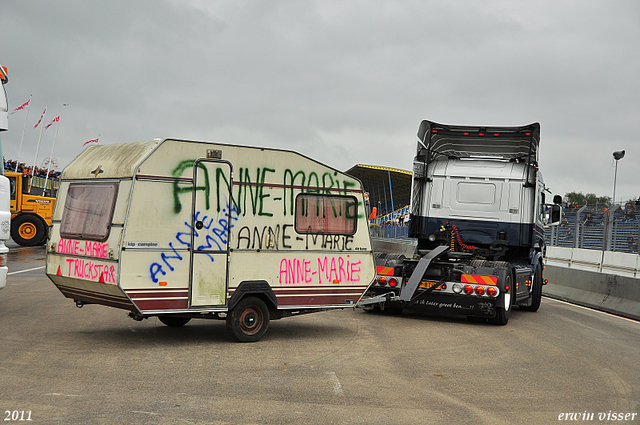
column 33, row 170
column 22, row 138
column 51, row 156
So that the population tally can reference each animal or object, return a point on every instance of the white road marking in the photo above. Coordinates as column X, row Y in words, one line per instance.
column 64, row 395
column 592, row 309
column 337, row 387
column 27, row 270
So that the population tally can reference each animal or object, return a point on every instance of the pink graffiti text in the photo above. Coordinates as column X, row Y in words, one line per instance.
column 89, row 270
column 319, row 270
column 88, row 249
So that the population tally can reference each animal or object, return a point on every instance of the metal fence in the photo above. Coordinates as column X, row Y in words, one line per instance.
column 612, row 230
column 390, row 231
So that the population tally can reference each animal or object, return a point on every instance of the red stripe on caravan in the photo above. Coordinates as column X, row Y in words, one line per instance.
column 316, row 300
column 165, row 304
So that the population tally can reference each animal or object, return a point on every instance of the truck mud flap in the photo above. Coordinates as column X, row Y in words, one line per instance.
column 460, row 306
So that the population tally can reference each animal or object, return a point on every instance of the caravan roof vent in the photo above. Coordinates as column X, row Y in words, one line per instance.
column 214, row 154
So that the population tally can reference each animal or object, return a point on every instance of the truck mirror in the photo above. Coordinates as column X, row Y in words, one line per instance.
column 556, row 213
column 556, row 210
column 26, row 184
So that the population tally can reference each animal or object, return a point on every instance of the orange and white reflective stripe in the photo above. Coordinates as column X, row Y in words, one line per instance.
column 482, row 280
column 384, row 271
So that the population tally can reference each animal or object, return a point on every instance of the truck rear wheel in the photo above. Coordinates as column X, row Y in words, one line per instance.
column 536, row 295
column 173, row 321
column 249, row 319
column 503, row 313
column 28, row 230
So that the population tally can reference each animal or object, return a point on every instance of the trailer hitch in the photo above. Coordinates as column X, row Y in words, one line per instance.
column 389, row 296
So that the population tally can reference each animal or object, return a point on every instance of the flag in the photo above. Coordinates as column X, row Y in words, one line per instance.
column 56, row 119
column 91, row 141
column 21, row 107
column 40, row 120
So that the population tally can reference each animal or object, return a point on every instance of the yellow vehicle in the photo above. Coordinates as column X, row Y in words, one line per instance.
column 31, row 211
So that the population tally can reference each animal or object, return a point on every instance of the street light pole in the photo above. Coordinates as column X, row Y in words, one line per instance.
column 617, row 155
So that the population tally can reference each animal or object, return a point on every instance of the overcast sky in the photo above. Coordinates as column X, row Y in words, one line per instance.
column 344, row 82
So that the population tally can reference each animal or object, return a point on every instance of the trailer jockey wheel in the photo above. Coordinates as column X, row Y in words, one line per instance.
column 28, row 230
column 249, row 319
column 174, row 322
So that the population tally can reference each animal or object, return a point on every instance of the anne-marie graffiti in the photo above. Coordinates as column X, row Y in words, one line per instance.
column 321, row 270
column 213, row 235
column 250, row 196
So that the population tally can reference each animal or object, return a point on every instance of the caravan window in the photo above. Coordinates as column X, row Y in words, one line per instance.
column 328, row 214
column 88, row 211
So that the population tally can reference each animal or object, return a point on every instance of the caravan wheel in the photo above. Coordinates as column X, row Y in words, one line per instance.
column 249, row 320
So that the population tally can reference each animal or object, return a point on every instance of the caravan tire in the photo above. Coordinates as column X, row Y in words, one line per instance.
column 28, row 230
column 173, row 321
column 248, row 320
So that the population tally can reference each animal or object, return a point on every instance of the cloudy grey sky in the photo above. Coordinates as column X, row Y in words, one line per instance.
column 344, row 82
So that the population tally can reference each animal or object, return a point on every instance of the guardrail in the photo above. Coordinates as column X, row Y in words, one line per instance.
column 605, row 280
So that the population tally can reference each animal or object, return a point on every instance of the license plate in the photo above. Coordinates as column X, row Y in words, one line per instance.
column 427, row 284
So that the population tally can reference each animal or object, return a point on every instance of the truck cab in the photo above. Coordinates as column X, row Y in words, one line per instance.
column 5, row 213
column 478, row 214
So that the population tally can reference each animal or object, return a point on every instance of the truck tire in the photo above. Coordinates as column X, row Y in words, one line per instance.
column 536, row 295
column 173, row 321
column 248, row 320
column 503, row 313
column 28, row 230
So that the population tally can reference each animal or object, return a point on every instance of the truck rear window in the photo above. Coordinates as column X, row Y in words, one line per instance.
column 88, row 210
column 327, row 214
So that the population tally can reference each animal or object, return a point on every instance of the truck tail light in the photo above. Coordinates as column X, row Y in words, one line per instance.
column 3, row 260
column 480, row 290
column 393, row 282
column 492, row 291
column 382, row 281
column 468, row 289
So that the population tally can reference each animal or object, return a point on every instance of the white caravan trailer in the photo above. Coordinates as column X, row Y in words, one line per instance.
column 181, row 229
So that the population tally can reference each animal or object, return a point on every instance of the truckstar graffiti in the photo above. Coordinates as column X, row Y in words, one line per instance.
column 89, row 270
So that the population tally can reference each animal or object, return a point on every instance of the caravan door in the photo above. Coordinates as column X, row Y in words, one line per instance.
column 211, row 225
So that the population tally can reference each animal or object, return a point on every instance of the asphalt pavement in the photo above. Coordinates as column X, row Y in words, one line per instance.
column 63, row 365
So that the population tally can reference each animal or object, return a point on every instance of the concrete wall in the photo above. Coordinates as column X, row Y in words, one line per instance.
column 605, row 280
